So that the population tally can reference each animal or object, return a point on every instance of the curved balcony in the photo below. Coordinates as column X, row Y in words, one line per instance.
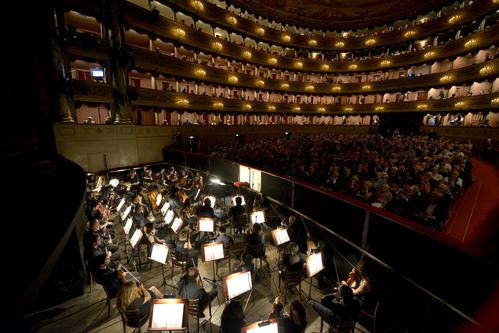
column 213, row 14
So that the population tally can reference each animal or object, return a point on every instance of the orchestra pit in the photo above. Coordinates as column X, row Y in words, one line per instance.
column 251, row 166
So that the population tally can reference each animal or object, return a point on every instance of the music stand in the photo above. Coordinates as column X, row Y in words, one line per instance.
column 234, row 200
column 265, row 326
column 314, row 265
column 170, row 215
column 167, row 314
column 159, row 197
column 206, row 224
column 177, row 224
column 212, row 252
column 126, row 212
column 120, row 204
column 237, row 284
column 165, row 208
column 280, row 236
column 159, row 253
column 258, row 217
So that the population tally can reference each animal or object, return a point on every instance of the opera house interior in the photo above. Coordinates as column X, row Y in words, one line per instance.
column 251, row 166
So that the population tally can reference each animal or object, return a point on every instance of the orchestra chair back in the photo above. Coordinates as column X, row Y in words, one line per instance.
column 341, row 327
column 257, row 251
column 291, row 279
column 194, row 309
column 131, row 318
column 227, row 255
column 179, row 260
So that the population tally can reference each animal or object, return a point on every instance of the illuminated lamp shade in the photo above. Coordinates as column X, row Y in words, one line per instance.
column 370, row 41
column 309, row 88
column 247, row 54
column 284, row 86
column 460, row 104
column 260, row 31
column 260, row 83
column 178, row 32
column 321, row 109
column 353, row 67
column 218, row 105
column 298, row 64
column 182, row 102
column 325, row 67
column 197, row 5
column 296, row 109
column 422, row 106
column 247, row 107
column 339, row 44
column 454, row 19
column 272, row 61
column 312, row 42
column 336, row 88
column 446, row 78
column 366, row 87
column 429, row 54
column 271, row 108
column 471, row 43
column 231, row 20
column 200, row 72
column 348, row 109
column 386, row 63
column 233, row 79
column 495, row 101
column 379, row 108
column 286, row 38
column 409, row 34
column 217, row 46
column 486, row 70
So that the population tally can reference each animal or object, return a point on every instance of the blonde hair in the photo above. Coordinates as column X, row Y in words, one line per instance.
column 129, row 293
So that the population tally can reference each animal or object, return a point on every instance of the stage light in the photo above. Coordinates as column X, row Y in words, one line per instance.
column 114, row 182
column 216, row 181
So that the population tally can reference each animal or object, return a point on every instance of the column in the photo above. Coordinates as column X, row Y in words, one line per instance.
column 119, row 59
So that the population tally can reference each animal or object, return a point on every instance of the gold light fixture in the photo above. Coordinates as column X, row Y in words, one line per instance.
column 231, row 20
column 429, row 54
column 182, row 102
column 296, row 109
column 446, row 78
column 178, row 33
column 272, row 61
column 271, row 108
column 284, row 86
column 218, row 105
column 454, row 19
column 247, row 106
column 379, row 108
column 260, row 83
column 260, row 31
column 247, row 54
column 309, row 88
column 286, row 38
column 197, row 5
column 339, row 44
column 200, row 72
column 486, row 69
column 409, row 34
column 325, row 67
column 348, row 109
column 217, row 46
column 233, row 79
column 321, row 109
column 495, row 101
column 471, row 43
column 298, row 65
column 336, row 88
column 353, row 67
column 422, row 106
column 312, row 42
column 460, row 104
column 370, row 41
column 366, row 87
column 386, row 63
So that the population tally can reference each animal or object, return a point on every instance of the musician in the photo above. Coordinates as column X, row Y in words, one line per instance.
column 334, row 309
column 297, row 233
column 246, row 263
column 150, row 234
column 277, row 309
column 147, row 175
column 296, row 321
column 97, row 248
column 132, row 297
column 96, row 228
column 183, row 245
column 133, row 178
column 206, row 210
column 188, row 288
column 359, row 281
column 232, row 319
column 139, row 217
column 255, row 238
column 292, row 260
column 222, row 237
column 236, row 213
column 107, row 276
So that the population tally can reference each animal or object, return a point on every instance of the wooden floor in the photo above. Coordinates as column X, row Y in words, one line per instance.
column 88, row 313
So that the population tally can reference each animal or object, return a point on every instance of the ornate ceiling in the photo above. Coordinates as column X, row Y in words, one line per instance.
column 339, row 14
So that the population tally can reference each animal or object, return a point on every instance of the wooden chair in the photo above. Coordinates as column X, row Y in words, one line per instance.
column 180, row 260
column 227, row 255
column 91, row 276
column 257, row 251
column 371, row 315
column 131, row 318
column 194, row 309
column 108, row 301
column 341, row 327
column 291, row 279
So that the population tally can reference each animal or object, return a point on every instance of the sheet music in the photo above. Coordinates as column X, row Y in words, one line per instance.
column 212, row 200
column 137, row 236
column 126, row 212
column 234, row 200
column 167, row 316
column 214, row 252
column 177, row 223
column 159, row 253
column 165, row 207
column 314, row 264
column 206, row 224
column 270, row 328
column 281, row 236
column 257, row 217
column 158, row 199
column 120, row 205
column 238, row 284
column 169, row 216
column 128, row 226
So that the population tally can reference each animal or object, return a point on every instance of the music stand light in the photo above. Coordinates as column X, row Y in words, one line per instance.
column 159, row 254
column 177, row 224
column 167, row 314
column 258, row 217
column 234, row 200
column 314, row 265
column 266, row 326
column 206, row 224
column 280, row 236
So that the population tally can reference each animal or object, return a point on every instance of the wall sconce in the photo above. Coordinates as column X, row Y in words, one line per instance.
column 486, row 70
column 286, row 38
column 260, row 31
column 182, row 102
column 336, row 88
column 272, row 61
column 197, row 5
column 284, row 86
column 386, row 63
column 370, row 41
column 296, row 109
column 446, row 78
column 429, row 54
column 247, row 107
column 454, row 19
column 312, row 42
column 409, row 34
column 379, row 108
column 348, row 109
column 298, row 65
column 309, row 88
column 366, row 87
column 271, row 108
column 247, row 54
column 260, row 83
column 495, row 101
column 422, row 106
column 218, row 105
column 325, row 67
column 353, row 67
column 471, row 43
column 321, row 109
column 200, row 72
column 231, row 20
column 339, row 44
column 233, row 79
column 217, row 46
column 460, row 104
column 178, row 33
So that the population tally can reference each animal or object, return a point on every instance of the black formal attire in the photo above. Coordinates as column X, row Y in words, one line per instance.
column 189, row 289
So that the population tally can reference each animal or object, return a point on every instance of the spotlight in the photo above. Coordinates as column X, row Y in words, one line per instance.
column 287, row 135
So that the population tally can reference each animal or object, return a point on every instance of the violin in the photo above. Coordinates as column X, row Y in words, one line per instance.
column 352, row 277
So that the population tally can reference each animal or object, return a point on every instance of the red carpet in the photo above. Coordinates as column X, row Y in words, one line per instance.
column 476, row 219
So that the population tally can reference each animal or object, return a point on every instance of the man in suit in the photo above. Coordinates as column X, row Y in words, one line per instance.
column 188, row 288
